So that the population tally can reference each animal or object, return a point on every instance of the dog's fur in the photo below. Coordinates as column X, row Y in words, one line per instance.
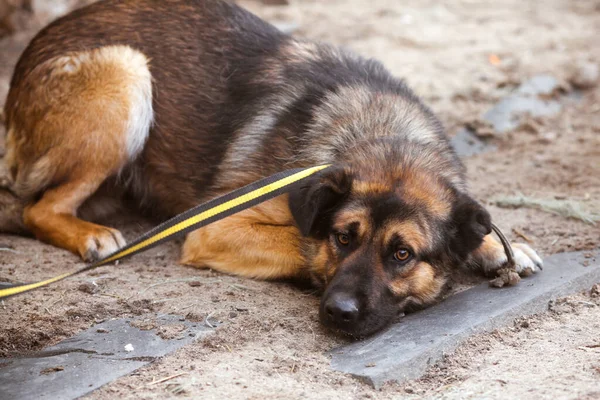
column 171, row 103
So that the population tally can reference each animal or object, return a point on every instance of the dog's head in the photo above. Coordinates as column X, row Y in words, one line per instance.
column 383, row 240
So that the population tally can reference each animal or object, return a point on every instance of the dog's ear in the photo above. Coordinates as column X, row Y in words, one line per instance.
column 472, row 223
column 313, row 202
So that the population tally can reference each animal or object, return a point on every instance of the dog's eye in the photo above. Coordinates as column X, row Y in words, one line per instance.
column 402, row 255
column 343, row 239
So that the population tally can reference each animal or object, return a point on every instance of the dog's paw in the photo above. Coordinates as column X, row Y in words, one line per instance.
column 527, row 261
column 492, row 259
column 101, row 243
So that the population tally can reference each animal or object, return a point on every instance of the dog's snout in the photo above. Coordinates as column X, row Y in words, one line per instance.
column 341, row 310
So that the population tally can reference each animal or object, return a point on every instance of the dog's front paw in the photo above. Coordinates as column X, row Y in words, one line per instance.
column 527, row 261
column 492, row 259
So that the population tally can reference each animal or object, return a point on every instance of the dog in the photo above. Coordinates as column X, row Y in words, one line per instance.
column 172, row 103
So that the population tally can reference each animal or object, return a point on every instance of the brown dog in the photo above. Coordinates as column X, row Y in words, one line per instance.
column 171, row 103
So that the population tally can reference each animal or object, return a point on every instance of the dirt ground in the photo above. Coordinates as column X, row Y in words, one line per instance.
column 461, row 57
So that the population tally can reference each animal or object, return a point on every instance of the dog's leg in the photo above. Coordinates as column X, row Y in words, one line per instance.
column 260, row 242
column 490, row 257
column 52, row 219
column 97, row 112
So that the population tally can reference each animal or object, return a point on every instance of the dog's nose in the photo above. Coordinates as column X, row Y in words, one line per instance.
column 341, row 309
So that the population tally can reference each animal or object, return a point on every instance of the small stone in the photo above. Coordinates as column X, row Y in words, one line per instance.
column 129, row 347
column 194, row 317
column 595, row 292
column 585, row 75
column 513, row 278
column 497, row 282
column 506, row 277
column 547, row 137
column 52, row 370
column 88, row 287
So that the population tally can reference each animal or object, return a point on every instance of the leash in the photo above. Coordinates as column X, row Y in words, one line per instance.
column 197, row 217
column 510, row 255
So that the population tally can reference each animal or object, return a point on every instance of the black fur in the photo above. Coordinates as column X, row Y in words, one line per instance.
column 313, row 203
column 471, row 223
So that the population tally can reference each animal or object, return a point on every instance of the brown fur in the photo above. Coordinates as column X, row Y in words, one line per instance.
column 261, row 242
column 72, row 129
column 421, row 284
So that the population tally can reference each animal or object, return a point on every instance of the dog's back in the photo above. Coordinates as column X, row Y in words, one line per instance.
column 230, row 94
column 190, row 46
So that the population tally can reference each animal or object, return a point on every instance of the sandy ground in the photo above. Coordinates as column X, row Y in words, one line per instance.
column 270, row 344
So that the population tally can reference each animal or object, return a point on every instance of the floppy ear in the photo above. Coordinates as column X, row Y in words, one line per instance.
column 472, row 223
column 314, row 201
